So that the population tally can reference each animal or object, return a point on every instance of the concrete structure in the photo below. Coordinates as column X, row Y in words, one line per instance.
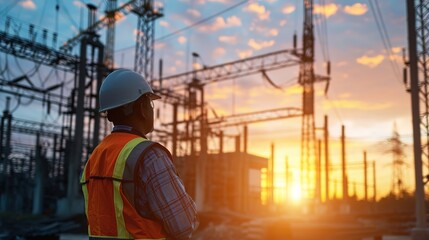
column 233, row 180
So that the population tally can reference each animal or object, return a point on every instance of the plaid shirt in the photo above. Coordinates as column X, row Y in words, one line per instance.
column 160, row 194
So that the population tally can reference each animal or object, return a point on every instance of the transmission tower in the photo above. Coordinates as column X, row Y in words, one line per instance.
column 306, row 79
column 397, row 150
column 418, row 30
column 422, row 35
column 110, row 36
column 147, row 14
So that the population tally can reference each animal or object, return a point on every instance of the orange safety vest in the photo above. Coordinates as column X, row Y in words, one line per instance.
column 108, row 189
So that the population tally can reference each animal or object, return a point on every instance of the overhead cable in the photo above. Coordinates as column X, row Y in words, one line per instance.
column 193, row 24
column 384, row 35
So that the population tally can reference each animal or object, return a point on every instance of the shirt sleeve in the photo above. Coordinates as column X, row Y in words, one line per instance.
column 166, row 195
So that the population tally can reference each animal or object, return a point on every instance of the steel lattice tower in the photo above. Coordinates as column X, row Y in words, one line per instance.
column 417, row 12
column 306, row 79
column 110, row 38
column 143, row 62
column 422, row 35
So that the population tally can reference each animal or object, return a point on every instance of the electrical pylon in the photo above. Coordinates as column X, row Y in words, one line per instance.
column 307, row 79
column 147, row 14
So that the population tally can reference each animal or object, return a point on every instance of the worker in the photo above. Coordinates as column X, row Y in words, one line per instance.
column 130, row 185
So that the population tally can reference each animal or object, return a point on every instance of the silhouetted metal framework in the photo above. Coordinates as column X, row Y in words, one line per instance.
column 34, row 47
column 73, row 144
column 110, row 36
column 84, row 108
column 147, row 14
column 33, row 128
column 144, row 52
column 417, row 21
column 193, row 82
column 422, row 35
column 101, row 23
column 234, row 69
column 255, row 117
column 307, row 79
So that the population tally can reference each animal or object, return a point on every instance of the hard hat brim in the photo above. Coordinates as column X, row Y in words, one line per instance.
column 153, row 96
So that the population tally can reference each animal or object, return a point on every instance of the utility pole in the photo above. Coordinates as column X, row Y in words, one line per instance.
column 374, row 181
column 245, row 139
column 287, row 177
column 271, row 176
column 420, row 231
column 319, row 172
column 343, row 163
column 326, row 142
column 365, row 175
column 89, row 44
column 5, row 151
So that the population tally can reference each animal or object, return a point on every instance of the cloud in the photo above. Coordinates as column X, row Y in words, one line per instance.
column 342, row 63
column 259, row 45
column 282, row 23
column 244, row 53
column 370, row 61
column 260, row 10
column 220, row 1
column 194, row 13
column 28, row 4
column 180, row 53
column 74, row 29
column 164, row 23
column 356, row 9
column 181, row 39
column 173, row 69
column 288, row 9
column 219, row 52
column 326, row 10
column 159, row 45
column 228, row 39
column 136, row 31
column 270, row 32
column 196, row 66
column 221, row 92
column 273, row 32
column 396, row 49
column 78, row 4
column 355, row 104
column 220, row 23
column 397, row 58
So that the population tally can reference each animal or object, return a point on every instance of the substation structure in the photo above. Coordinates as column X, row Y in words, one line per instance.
column 41, row 177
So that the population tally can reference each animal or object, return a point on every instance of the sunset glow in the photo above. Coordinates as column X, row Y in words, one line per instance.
column 365, row 94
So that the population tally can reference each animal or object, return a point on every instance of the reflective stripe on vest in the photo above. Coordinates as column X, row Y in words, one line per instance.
column 105, row 177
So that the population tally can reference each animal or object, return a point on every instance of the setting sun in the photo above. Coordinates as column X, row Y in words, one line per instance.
column 295, row 193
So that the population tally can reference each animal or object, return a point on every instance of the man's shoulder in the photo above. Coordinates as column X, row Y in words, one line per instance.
column 156, row 150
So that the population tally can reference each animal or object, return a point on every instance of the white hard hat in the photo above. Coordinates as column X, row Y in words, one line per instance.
column 122, row 87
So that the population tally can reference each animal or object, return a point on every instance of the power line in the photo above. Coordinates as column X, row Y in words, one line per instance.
column 325, row 30
column 68, row 15
column 9, row 7
column 193, row 25
column 322, row 32
column 384, row 35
